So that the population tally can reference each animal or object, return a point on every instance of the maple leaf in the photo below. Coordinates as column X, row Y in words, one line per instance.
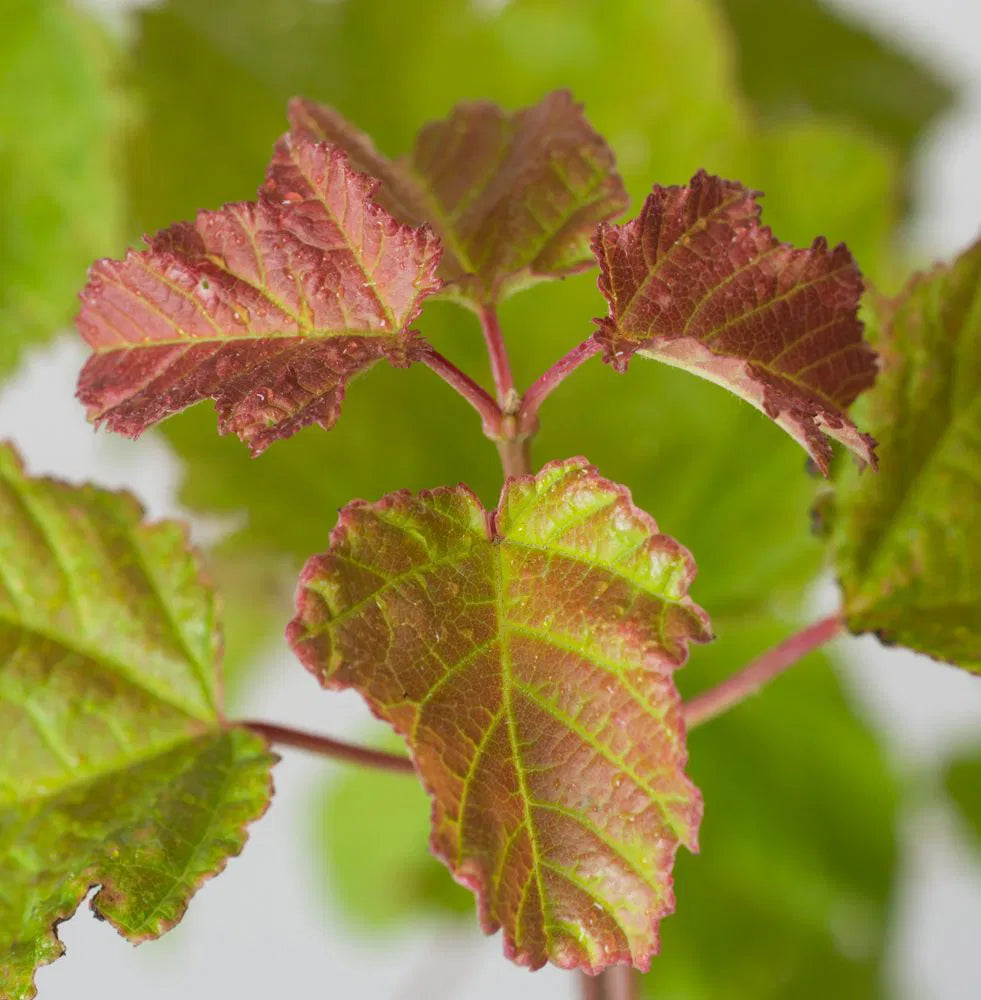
column 269, row 307
column 116, row 768
column 697, row 282
column 526, row 655
column 907, row 545
column 514, row 197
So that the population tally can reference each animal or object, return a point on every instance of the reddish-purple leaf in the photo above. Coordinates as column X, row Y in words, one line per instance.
column 268, row 307
column 514, row 196
column 697, row 282
column 526, row 655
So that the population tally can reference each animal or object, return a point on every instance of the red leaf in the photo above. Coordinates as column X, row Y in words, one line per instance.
column 526, row 655
column 697, row 282
column 514, row 196
column 268, row 307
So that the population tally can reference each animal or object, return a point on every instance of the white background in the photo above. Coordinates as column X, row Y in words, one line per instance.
column 264, row 928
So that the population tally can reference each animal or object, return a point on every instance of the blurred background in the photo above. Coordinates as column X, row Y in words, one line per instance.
column 841, row 849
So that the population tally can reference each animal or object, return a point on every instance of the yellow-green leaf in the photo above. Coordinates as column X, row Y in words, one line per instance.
column 527, row 656
column 116, row 768
column 908, row 540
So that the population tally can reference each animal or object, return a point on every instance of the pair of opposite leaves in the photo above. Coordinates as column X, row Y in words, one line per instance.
column 513, row 649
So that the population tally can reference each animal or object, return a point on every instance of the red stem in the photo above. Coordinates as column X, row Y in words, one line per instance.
column 499, row 361
column 764, row 668
column 619, row 982
column 327, row 747
column 552, row 378
column 515, row 456
column 477, row 397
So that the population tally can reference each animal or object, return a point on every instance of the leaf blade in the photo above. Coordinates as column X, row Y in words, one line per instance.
column 115, row 766
column 906, row 548
column 512, row 196
column 268, row 307
column 695, row 281
column 514, row 685
column 782, row 71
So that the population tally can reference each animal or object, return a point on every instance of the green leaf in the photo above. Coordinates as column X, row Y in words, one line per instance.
column 672, row 59
column 178, row 130
column 256, row 593
column 783, row 68
column 791, row 893
column 374, row 828
column 907, row 541
column 481, row 637
column 269, row 307
column 963, row 783
column 59, row 122
column 116, row 768
column 852, row 181
column 697, row 282
column 513, row 197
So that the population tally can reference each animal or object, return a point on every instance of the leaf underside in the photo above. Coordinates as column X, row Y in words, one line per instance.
column 513, row 196
column 526, row 655
column 696, row 281
column 115, row 767
column 908, row 545
column 268, row 307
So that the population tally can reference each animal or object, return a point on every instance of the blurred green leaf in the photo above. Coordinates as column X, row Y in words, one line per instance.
column 60, row 115
column 907, row 544
column 851, row 180
column 255, row 597
column 373, row 837
column 963, row 783
column 801, row 56
column 789, row 896
column 390, row 66
column 206, row 125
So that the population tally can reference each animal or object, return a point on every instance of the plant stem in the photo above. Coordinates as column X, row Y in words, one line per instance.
column 515, row 456
column 619, row 982
column 764, row 668
column 552, row 378
column 327, row 747
column 499, row 361
column 481, row 401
